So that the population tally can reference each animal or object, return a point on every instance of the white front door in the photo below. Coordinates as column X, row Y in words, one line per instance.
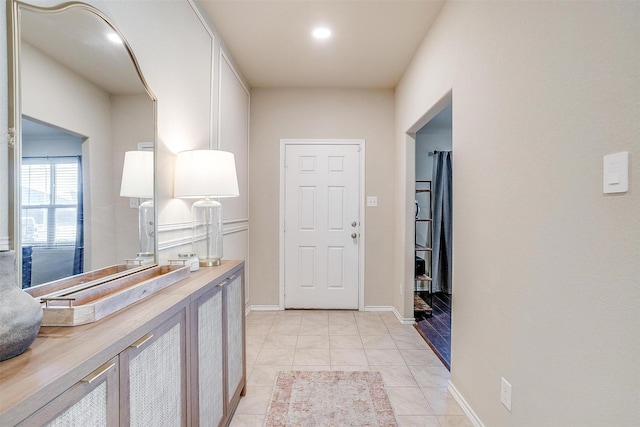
column 321, row 226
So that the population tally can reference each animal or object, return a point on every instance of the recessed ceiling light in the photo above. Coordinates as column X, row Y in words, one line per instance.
column 321, row 33
column 114, row 38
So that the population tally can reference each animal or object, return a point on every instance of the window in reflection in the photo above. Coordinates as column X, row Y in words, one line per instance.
column 52, row 204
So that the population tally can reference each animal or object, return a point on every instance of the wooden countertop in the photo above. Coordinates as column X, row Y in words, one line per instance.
column 62, row 356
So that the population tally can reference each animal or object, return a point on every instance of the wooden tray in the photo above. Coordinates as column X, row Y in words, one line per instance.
column 85, row 280
column 84, row 303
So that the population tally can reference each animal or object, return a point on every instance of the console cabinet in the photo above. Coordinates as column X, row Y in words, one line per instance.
column 176, row 358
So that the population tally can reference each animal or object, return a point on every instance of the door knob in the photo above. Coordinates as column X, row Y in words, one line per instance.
column 354, row 235
column 354, row 224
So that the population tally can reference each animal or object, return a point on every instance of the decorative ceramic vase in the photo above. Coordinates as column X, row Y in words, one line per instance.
column 20, row 313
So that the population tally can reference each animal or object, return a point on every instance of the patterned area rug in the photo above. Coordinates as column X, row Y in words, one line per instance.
column 328, row 399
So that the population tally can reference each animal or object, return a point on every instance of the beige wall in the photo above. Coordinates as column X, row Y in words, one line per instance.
column 313, row 114
column 4, row 149
column 546, row 267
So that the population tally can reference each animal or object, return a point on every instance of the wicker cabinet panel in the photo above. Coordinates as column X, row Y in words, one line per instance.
column 91, row 402
column 153, row 377
column 235, row 336
column 210, row 359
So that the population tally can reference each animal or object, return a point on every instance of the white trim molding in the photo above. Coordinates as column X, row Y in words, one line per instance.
column 212, row 75
column 4, row 244
column 169, row 244
column 234, row 221
column 183, row 226
column 163, row 228
column 264, row 308
column 473, row 417
column 378, row 308
column 402, row 320
column 237, row 229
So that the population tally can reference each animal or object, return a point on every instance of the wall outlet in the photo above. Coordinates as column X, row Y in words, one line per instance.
column 505, row 394
column 134, row 202
column 372, row 201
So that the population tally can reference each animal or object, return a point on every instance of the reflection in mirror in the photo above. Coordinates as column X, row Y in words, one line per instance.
column 137, row 182
column 81, row 104
column 51, row 211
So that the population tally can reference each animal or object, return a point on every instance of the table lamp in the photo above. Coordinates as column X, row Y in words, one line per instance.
column 137, row 182
column 206, row 174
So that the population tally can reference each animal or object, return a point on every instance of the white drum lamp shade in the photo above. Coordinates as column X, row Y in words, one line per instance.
column 137, row 182
column 206, row 174
column 137, row 175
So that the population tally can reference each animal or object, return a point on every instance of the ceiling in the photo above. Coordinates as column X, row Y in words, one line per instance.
column 373, row 41
column 270, row 41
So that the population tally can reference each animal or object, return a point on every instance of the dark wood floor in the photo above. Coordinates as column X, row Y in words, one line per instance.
column 436, row 329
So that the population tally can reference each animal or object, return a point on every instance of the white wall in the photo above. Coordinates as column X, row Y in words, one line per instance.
column 546, row 267
column 316, row 114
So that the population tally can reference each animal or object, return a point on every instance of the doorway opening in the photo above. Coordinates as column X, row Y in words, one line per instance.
column 52, row 233
column 434, row 232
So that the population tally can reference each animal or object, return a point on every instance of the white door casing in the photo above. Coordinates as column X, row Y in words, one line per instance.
column 321, row 224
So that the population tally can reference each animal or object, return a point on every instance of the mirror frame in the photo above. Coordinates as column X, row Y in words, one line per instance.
column 15, row 115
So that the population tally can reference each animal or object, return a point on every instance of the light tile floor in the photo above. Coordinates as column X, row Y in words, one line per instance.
column 415, row 379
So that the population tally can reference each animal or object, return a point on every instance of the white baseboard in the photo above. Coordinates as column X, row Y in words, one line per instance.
column 473, row 417
column 378, row 308
column 402, row 320
column 4, row 244
column 264, row 308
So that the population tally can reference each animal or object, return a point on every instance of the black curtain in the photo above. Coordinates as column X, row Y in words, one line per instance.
column 441, row 259
column 78, row 256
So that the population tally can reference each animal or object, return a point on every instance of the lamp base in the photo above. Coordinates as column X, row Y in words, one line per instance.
column 210, row 262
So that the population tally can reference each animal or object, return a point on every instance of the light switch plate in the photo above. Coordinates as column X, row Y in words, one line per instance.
column 372, row 201
column 505, row 393
column 615, row 173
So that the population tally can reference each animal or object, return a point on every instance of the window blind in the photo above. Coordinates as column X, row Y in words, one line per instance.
column 50, row 200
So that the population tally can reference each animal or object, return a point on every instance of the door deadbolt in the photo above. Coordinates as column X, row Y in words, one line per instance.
column 354, row 224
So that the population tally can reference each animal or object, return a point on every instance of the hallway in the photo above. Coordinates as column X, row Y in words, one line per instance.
column 415, row 379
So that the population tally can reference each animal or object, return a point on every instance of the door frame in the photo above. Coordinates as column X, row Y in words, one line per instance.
column 361, row 247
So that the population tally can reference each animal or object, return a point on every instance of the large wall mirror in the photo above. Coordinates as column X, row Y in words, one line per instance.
column 80, row 102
